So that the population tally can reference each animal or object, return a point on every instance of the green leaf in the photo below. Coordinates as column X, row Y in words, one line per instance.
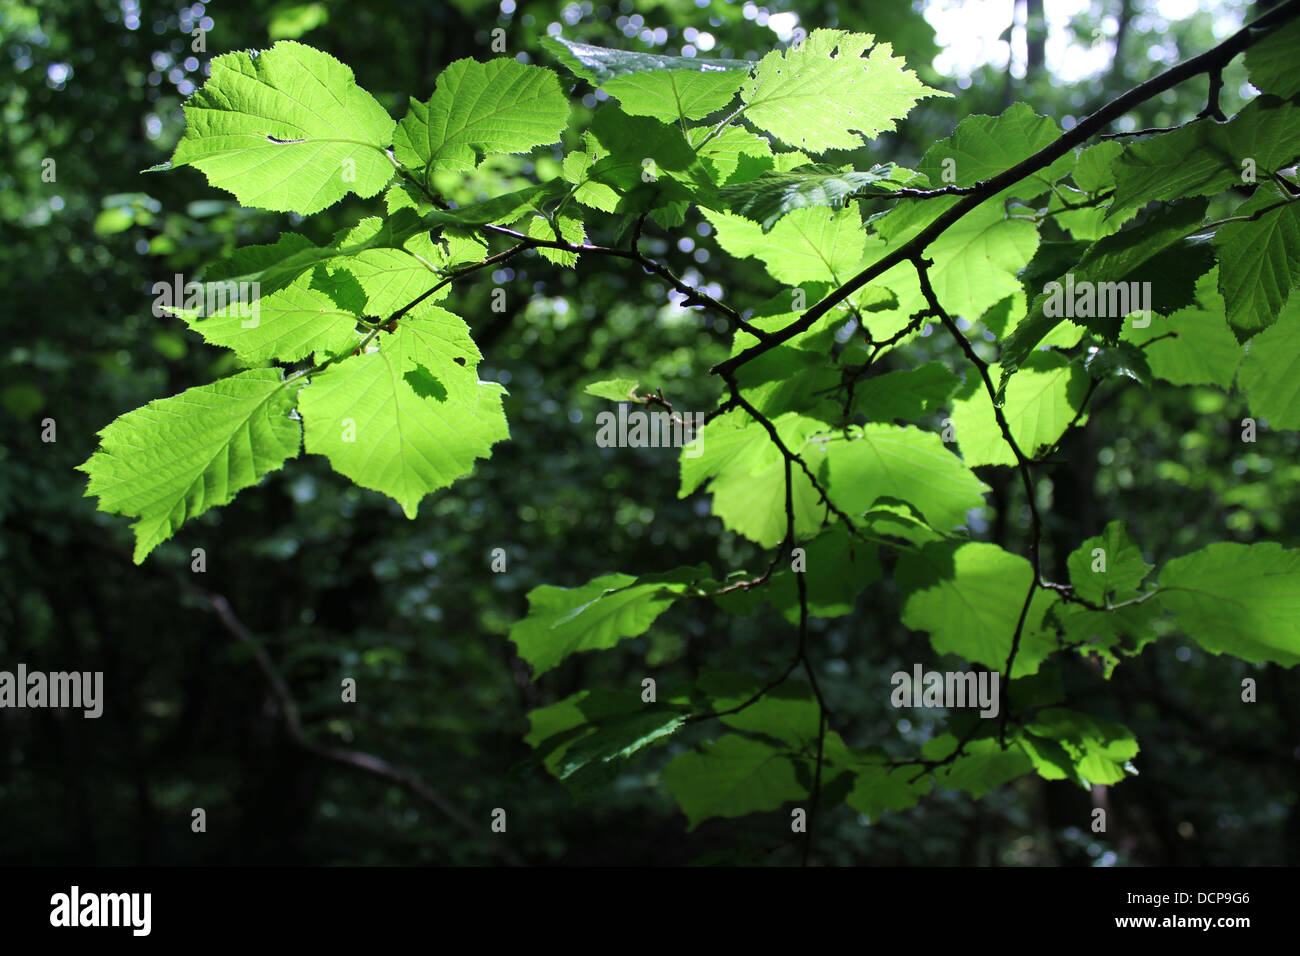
column 600, row 64
column 731, row 777
column 788, row 378
column 1202, row 350
column 647, row 163
column 316, row 313
column 630, row 141
column 1084, row 219
column 112, row 221
column 808, row 245
column 577, row 169
column 981, row 147
column 1156, row 250
column 1259, row 261
column 1096, row 751
column 287, row 129
column 1104, row 633
column 837, row 569
column 1107, row 567
column 787, row 713
column 829, row 89
column 598, row 757
column 1239, row 599
column 877, row 786
column 976, row 261
column 588, row 737
column 614, row 389
column 1205, row 157
column 571, row 231
column 389, row 277
column 1094, row 169
column 275, row 266
column 899, row 519
column 887, row 461
column 175, row 458
column 292, row 20
column 565, row 621
column 502, row 106
column 410, row 417
column 1051, row 259
column 968, row 596
column 1040, row 402
column 982, row 767
column 1123, row 360
column 746, row 475
column 772, row 195
column 735, row 154
column 1270, row 373
column 669, row 88
column 907, row 394
column 506, row 207
column 1271, row 62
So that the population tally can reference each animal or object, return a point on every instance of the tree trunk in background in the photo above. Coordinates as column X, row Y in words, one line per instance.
column 1125, row 18
column 1035, row 39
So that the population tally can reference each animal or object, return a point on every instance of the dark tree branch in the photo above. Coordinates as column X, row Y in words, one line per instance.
column 357, row 759
column 1022, row 465
column 1213, row 59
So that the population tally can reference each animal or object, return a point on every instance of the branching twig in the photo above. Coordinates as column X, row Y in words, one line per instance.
column 357, row 759
column 1022, row 465
column 1215, row 58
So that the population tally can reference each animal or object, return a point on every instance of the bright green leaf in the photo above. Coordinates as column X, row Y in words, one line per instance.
column 669, row 88
column 1202, row 349
column 1107, row 567
column 287, row 129
column 614, row 389
column 175, row 458
column 565, row 621
column 822, row 94
column 316, row 313
column 1270, row 373
column 410, row 417
column 746, row 473
column 502, row 106
column 887, row 461
column 1040, row 402
column 1259, row 260
column 968, row 597
column 808, row 245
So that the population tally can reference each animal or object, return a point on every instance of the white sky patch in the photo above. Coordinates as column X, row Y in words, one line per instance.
column 968, row 31
column 783, row 24
column 1177, row 9
column 973, row 33
column 1070, row 61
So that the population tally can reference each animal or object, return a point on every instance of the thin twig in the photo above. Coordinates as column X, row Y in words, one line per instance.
column 1086, row 128
column 357, row 759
